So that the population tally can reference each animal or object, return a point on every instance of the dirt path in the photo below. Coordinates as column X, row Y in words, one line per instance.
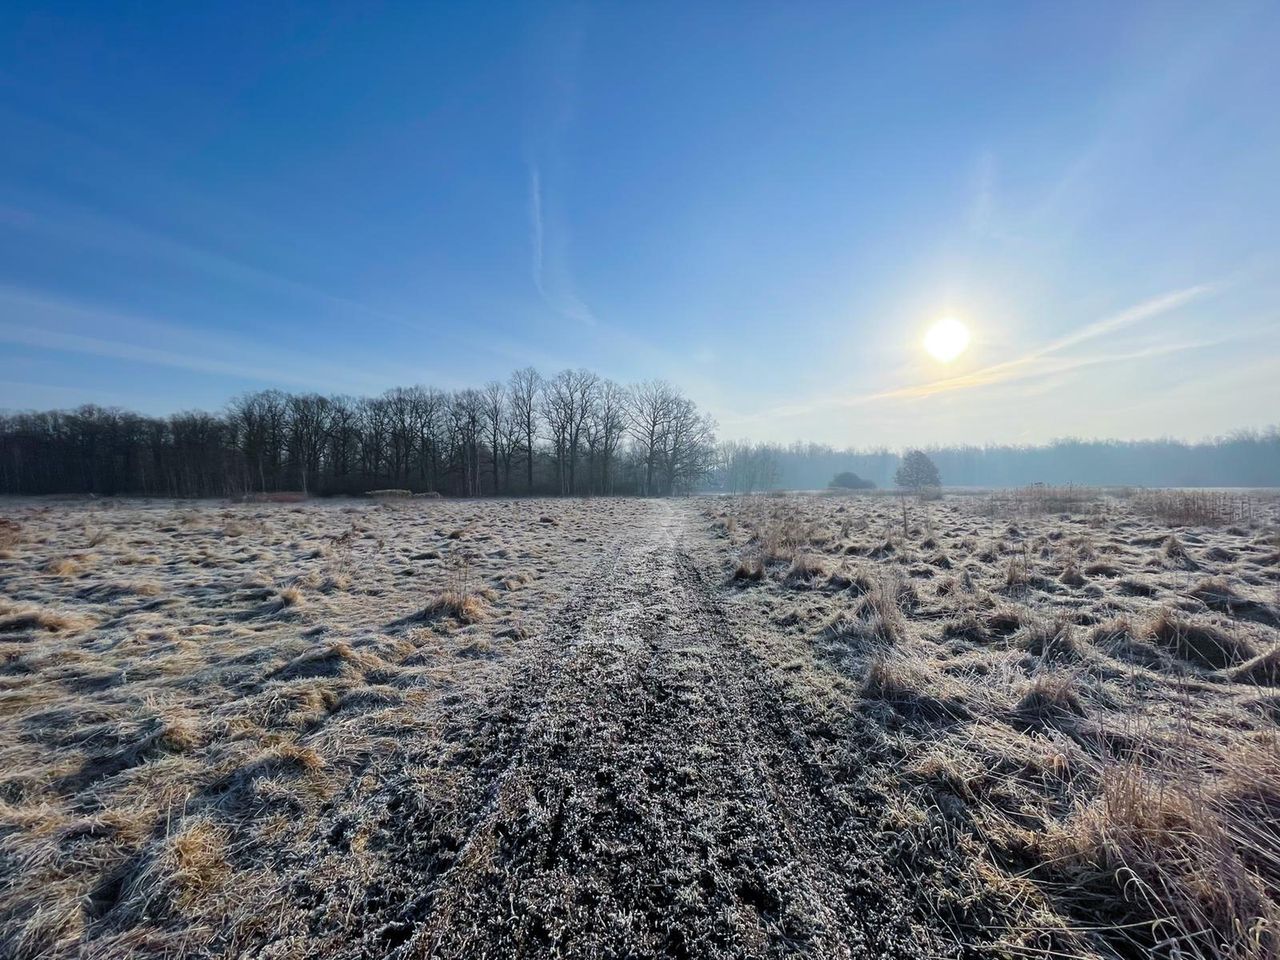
column 641, row 790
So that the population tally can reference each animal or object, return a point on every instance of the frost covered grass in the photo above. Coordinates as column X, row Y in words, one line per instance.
column 1078, row 704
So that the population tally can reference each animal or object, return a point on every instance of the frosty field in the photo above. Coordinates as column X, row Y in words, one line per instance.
column 710, row 727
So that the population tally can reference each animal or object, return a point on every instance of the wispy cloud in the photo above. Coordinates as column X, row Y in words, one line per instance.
column 1045, row 360
column 551, row 275
column 1038, row 365
column 1030, row 363
column 536, row 228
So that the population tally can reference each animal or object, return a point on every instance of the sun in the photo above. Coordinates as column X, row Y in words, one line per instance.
column 946, row 339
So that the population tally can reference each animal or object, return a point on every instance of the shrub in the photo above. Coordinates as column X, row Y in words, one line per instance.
column 848, row 480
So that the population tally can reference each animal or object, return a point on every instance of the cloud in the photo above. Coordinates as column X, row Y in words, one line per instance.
column 1032, row 366
column 1032, row 363
column 550, row 274
column 1042, row 361
column 537, row 229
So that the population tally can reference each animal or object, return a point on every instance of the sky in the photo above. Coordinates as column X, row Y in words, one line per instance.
column 767, row 204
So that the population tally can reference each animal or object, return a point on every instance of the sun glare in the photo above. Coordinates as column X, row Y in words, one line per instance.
column 946, row 339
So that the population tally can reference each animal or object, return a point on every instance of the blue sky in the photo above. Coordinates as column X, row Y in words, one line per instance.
column 765, row 203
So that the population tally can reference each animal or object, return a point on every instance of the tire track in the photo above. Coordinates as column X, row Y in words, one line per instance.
column 658, row 804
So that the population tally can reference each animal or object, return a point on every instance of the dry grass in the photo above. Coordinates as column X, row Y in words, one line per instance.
column 170, row 739
column 1201, row 508
column 1083, row 707
column 1059, row 728
column 463, row 607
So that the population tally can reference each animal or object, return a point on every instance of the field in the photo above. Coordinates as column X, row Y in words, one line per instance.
column 1043, row 723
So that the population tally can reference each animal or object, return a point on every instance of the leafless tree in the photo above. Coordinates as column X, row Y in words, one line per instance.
column 525, row 389
column 414, row 437
column 688, row 450
column 556, row 407
column 466, row 415
column 432, row 407
column 648, row 418
column 610, row 416
column 495, row 407
column 403, row 414
column 583, row 386
column 308, row 434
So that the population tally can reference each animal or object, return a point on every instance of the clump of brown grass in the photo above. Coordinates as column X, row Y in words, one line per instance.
column 1199, row 643
column 782, row 537
column 1017, row 574
column 515, row 581
column 1183, row 866
column 63, row 567
column 806, row 568
column 1005, row 620
column 1051, row 639
column 307, row 759
column 38, row 618
column 334, row 660
column 1196, row 507
column 895, row 679
column 464, row 607
column 10, row 534
column 878, row 608
column 190, row 867
column 459, row 599
column 174, row 735
column 749, row 569
column 907, row 684
column 1050, row 699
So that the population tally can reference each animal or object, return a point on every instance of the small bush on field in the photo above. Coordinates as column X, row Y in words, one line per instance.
column 459, row 599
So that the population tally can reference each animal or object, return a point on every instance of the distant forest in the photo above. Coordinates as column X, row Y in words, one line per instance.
column 574, row 434
column 1243, row 459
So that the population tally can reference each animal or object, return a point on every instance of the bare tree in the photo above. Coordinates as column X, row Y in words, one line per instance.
column 374, row 428
column 610, row 415
column 525, row 389
column 557, row 413
column 403, row 414
column 410, row 436
column 688, row 449
column 466, row 414
column 583, row 386
column 648, row 417
column 308, row 434
column 432, row 406
column 495, row 405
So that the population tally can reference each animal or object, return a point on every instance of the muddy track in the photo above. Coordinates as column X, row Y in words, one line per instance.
column 641, row 790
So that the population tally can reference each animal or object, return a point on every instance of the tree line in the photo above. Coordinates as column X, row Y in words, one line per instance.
column 1247, row 458
column 572, row 434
